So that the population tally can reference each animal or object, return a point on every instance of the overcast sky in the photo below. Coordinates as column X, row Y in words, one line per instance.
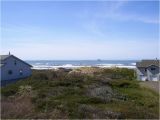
column 80, row 30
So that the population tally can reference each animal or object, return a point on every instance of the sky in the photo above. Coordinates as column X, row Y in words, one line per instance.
column 86, row 30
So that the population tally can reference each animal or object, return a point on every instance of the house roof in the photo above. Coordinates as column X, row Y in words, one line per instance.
column 147, row 63
column 4, row 57
column 1, row 65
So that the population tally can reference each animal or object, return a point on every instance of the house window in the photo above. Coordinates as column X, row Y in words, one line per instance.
column 145, row 69
column 10, row 72
column 15, row 62
column 20, row 72
column 153, row 68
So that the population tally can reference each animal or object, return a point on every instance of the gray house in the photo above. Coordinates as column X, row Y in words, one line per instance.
column 148, row 70
column 12, row 68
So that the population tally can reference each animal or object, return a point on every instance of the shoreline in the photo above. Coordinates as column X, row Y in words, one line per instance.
column 76, row 67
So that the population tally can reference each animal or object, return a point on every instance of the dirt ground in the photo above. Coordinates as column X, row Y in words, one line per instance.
column 151, row 84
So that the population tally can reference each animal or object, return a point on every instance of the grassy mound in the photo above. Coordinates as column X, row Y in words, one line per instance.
column 101, row 93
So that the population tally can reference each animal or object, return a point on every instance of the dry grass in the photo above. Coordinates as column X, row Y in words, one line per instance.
column 15, row 107
column 154, row 85
column 106, row 94
column 97, row 113
column 90, row 70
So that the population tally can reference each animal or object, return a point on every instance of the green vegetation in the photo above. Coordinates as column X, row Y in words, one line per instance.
column 82, row 93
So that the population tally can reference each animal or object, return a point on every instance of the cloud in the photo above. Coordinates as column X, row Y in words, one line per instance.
column 114, row 10
column 116, row 5
column 117, row 13
column 94, row 28
column 93, row 21
column 132, row 17
column 29, row 42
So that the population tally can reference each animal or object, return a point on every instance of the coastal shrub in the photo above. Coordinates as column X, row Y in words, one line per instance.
column 120, row 73
column 104, row 93
column 71, row 80
column 43, row 101
column 40, row 76
column 92, row 100
column 25, row 90
column 44, row 75
column 66, row 95
column 92, row 112
column 17, row 107
column 52, row 75
column 124, row 83
column 9, row 90
column 90, row 70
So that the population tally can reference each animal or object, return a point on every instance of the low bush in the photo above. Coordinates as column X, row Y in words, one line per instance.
column 104, row 93
column 96, row 94
column 17, row 108
column 9, row 90
column 25, row 90
column 40, row 76
column 124, row 83
column 120, row 73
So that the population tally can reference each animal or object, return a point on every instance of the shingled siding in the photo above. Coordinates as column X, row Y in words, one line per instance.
column 148, row 70
column 9, row 65
column 151, row 74
column 141, row 73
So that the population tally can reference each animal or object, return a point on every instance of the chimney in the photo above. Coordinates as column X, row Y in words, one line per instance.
column 9, row 53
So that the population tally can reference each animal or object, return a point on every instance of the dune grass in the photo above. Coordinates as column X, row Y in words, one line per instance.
column 100, row 94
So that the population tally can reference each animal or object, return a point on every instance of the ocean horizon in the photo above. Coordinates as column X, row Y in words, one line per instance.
column 54, row 64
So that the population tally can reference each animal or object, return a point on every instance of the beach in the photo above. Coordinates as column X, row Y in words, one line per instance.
column 73, row 64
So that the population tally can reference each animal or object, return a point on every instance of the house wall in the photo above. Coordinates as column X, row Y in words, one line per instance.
column 141, row 73
column 15, row 68
column 152, row 74
column 148, row 73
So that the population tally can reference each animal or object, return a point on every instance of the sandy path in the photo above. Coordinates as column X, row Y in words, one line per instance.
column 151, row 84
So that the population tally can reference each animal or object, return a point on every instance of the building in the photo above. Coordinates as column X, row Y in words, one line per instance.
column 13, row 68
column 148, row 70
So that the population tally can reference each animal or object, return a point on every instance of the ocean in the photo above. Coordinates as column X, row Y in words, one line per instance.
column 54, row 64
